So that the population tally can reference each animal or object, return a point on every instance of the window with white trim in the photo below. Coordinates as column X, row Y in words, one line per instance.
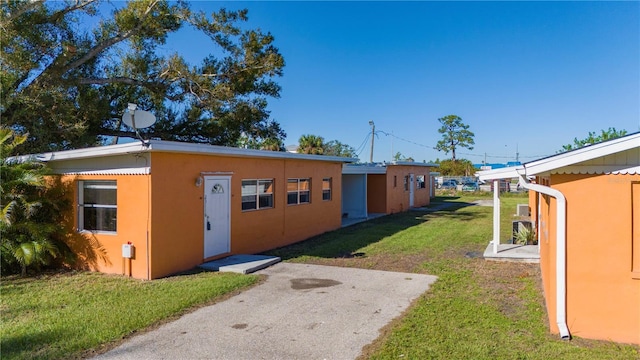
column 257, row 194
column 326, row 189
column 421, row 183
column 298, row 191
column 97, row 206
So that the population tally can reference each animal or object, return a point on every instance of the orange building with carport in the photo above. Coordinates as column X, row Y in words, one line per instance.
column 585, row 205
column 385, row 188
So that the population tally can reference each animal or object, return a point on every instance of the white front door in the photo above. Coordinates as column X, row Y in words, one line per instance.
column 217, row 220
column 411, row 189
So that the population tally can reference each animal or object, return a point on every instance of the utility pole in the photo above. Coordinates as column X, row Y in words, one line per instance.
column 373, row 136
column 517, row 154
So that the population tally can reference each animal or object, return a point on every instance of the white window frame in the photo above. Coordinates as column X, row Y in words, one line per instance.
column 258, row 194
column 299, row 191
column 106, row 184
column 327, row 190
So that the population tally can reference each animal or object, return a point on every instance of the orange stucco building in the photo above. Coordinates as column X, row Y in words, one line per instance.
column 386, row 188
column 585, row 205
column 151, row 209
column 180, row 204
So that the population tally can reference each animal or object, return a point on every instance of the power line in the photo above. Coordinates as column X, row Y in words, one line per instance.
column 461, row 153
column 360, row 148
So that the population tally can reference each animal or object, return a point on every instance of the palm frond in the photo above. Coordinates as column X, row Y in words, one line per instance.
column 7, row 211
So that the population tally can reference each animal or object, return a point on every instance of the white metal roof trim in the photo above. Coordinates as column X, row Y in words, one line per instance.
column 354, row 169
column 127, row 171
column 502, row 173
column 630, row 171
column 583, row 154
column 565, row 162
column 178, row 147
column 412, row 163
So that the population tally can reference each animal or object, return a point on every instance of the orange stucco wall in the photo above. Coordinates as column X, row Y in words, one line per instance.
column 548, row 256
column 387, row 195
column 103, row 251
column 178, row 208
column 603, row 296
column 166, row 211
column 398, row 196
column 421, row 196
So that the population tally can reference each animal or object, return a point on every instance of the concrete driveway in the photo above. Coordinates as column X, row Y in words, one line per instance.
column 301, row 312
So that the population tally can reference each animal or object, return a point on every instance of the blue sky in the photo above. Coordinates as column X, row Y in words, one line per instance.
column 529, row 76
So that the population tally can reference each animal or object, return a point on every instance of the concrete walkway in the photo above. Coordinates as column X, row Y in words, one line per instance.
column 241, row 263
column 513, row 253
column 301, row 312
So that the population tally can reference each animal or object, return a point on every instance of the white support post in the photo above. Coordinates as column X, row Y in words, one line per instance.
column 496, row 215
column 539, row 225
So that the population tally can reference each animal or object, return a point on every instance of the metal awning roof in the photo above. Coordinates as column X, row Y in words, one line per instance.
column 621, row 155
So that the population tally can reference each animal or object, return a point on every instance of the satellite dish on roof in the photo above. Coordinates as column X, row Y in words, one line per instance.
column 138, row 119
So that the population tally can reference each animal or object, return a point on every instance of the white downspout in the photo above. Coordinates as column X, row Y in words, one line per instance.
column 561, row 251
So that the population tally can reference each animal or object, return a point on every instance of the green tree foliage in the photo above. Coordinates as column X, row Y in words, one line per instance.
column 270, row 143
column 455, row 134
column 336, row 148
column 594, row 138
column 31, row 229
column 68, row 72
column 459, row 167
column 311, row 144
column 399, row 157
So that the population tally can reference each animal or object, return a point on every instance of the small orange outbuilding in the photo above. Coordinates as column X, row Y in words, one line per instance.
column 155, row 208
column 385, row 188
column 585, row 205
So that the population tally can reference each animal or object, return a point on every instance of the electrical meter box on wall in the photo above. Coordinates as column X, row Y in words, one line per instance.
column 127, row 251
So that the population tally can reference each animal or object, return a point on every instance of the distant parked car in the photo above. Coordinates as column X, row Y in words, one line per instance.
column 449, row 184
column 470, row 186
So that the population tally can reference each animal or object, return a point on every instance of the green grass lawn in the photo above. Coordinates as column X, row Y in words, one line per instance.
column 477, row 309
column 64, row 315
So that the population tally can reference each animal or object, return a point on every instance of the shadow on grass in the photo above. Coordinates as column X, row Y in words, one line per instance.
column 194, row 271
column 458, row 215
column 449, row 206
column 26, row 346
column 444, row 199
column 344, row 243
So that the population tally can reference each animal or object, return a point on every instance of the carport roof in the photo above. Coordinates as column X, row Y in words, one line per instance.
column 621, row 155
column 379, row 168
